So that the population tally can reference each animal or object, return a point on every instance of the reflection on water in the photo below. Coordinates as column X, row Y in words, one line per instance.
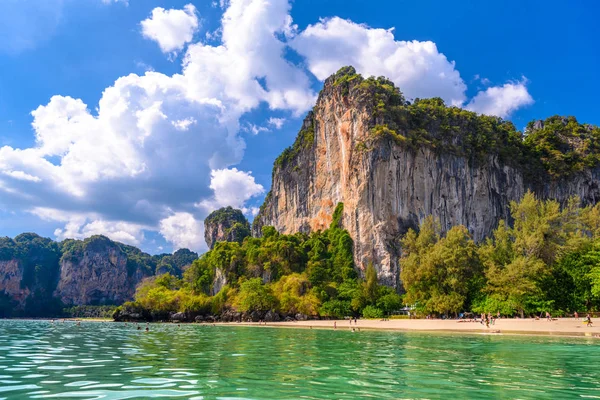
column 39, row 359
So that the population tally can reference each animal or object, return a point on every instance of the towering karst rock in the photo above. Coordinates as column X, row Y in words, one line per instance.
column 225, row 225
column 392, row 163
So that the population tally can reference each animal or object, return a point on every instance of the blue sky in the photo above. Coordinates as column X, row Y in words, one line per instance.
column 143, row 158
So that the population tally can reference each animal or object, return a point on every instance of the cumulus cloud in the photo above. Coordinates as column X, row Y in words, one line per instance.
column 276, row 122
column 501, row 100
column 184, row 231
column 231, row 187
column 21, row 175
column 120, row 231
column 171, row 29
column 418, row 68
column 255, row 129
column 149, row 149
column 184, row 124
column 80, row 226
column 252, row 50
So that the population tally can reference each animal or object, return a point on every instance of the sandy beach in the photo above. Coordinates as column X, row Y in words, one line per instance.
column 556, row 327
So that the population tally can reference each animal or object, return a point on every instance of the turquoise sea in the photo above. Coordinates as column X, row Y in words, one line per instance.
column 39, row 359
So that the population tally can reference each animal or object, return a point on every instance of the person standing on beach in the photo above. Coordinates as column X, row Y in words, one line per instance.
column 334, row 324
column 576, row 315
column 588, row 320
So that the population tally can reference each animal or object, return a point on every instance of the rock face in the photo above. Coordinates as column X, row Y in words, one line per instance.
column 388, row 186
column 96, row 274
column 11, row 277
column 225, row 225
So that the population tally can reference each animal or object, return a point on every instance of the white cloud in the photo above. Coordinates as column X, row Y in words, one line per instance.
column 184, row 231
column 276, row 122
column 252, row 49
column 22, row 176
column 119, row 231
column 81, row 226
column 184, row 124
column 171, row 29
column 484, row 81
column 143, row 66
column 501, row 100
column 149, row 149
column 418, row 68
column 231, row 187
column 255, row 129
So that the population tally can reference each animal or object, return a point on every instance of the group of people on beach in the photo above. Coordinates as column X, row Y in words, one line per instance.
column 489, row 319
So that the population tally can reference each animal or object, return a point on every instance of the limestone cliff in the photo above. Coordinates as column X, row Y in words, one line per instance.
column 392, row 163
column 97, row 273
column 10, row 280
column 225, row 225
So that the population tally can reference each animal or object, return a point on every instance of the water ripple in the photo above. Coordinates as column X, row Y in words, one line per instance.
column 116, row 361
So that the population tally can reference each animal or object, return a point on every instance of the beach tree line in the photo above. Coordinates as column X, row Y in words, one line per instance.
column 546, row 258
column 312, row 275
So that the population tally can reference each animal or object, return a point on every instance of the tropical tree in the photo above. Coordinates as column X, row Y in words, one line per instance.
column 438, row 272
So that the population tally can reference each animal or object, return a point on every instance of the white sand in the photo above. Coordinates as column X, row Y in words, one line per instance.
column 559, row 327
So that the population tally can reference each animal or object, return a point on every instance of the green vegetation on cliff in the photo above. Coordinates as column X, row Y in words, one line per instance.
column 304, row 140
column 225, row 214
column 563, row 145
column 307, row 274
column 549, row 260
column 226, row 224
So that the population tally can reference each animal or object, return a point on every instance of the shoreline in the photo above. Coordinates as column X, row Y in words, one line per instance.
column 563, row 327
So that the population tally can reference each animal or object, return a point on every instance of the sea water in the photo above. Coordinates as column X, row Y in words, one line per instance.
column 40, row 359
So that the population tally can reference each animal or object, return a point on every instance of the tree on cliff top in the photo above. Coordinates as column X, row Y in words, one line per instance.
column 226, row 224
